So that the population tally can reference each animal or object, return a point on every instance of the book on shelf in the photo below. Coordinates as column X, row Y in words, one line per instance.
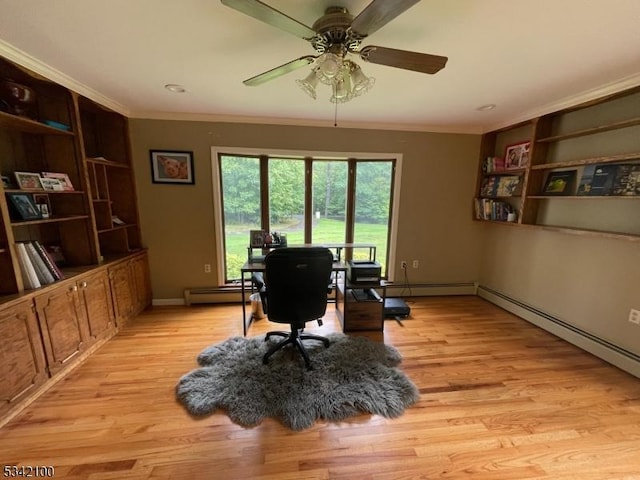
column 560, row 183
column 27, row 270
column 36, row 265
column 45, row 277
column 489, row 209
column 48, row 260
column 493, row 164
column 602, row 182
column 627, row 180
column 584, row 187
column 500, row 186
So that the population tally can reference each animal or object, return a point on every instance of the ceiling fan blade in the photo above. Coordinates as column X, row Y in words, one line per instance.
column 279, row 71
column 418, row 62
column 378, row 13
column 271, row 16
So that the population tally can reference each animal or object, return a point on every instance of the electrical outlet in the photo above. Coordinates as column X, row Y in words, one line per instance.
column 207, row 268
column 403, row 265
column 416, row 264
column 634, row 316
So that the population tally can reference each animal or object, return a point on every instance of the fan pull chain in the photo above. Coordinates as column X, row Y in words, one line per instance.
column 335, row 115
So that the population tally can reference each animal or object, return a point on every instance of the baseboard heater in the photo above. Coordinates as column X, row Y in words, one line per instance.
column 618, row 356
column 430, row 289
column 214, row 295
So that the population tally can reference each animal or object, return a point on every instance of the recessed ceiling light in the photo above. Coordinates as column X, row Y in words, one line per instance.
column 175, row 88
column 487, row 107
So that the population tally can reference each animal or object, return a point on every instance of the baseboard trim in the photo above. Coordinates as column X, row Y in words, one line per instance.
column 162, row 302
column 607, row 351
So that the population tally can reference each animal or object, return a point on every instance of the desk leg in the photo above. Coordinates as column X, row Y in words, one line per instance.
column 245, row 324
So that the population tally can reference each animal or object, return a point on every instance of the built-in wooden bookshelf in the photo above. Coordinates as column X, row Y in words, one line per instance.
column 102, row 269
column 602, row 135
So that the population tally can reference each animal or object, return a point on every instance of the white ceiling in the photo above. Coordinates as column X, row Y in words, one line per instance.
column 526, row 56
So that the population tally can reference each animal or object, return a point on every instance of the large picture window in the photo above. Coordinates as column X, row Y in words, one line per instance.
column 311, row 199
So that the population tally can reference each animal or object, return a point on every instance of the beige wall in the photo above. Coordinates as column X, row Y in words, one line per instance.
column 434, row 225
column 587, row 281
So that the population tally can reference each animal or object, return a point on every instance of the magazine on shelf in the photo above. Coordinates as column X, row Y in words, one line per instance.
column 627, row 180
column 602, row 183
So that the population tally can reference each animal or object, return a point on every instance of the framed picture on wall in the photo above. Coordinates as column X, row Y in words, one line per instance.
column 169, row 166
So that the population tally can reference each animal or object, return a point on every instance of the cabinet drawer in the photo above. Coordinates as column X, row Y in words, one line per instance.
column 363, row 315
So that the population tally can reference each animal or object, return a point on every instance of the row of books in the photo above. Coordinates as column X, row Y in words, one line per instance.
column 497, row 210
column 37, row 265
column 610, row 179
column 493, row 164
column 500, row 186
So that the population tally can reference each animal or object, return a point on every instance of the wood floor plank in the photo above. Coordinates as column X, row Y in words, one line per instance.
column 500, row 399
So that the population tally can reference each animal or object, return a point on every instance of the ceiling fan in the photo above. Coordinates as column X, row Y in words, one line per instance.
column 334, row 36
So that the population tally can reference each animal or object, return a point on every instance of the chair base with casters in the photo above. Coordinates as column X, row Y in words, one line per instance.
column 294, row 337
column 293, row 290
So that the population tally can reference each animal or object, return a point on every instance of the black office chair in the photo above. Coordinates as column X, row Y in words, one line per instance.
column 295, row 292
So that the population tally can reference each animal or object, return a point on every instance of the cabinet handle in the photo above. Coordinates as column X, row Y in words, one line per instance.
column 74, row 288
column 83, row 284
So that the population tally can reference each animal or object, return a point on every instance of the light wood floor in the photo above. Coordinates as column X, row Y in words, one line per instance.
column 500, row 399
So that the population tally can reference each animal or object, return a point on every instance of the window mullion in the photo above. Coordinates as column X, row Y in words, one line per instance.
column 264, row 192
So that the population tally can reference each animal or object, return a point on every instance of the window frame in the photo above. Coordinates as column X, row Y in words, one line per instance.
column 307, row 156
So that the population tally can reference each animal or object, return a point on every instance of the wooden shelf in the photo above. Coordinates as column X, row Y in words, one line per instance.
column 115, row 228
column 107, row 163
column 28, row 125
column 591, row 131
column 625, row 157
column 593, row 215
column 584, row 197
column 53, row 219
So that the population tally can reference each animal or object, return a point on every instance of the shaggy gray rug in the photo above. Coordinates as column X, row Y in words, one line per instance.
column 354, row 375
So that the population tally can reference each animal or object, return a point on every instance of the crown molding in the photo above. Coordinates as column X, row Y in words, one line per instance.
column 573, row 100
column 303, row 122
column 27, row 61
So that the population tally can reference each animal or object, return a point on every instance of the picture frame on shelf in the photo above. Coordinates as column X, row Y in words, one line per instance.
column 6, row 182
column 560, row 183
column 52, row 184
column 63, row 178
column 42, row 202
column 28, row 180
column 172, row 166
column 516, row 155
column 256, row 238
column 23, row 206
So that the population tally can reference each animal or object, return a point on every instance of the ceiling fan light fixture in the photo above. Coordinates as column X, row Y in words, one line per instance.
column 309, row 84
column 361, row 83
column 330, row 65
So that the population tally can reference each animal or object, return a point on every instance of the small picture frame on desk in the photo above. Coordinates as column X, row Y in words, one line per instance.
column 256, row 238
column 23, row 207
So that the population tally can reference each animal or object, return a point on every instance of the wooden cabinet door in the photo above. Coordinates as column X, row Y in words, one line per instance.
column 22, row 360
column 142, row 285
column 63, row 325
column 95, row 296
column 122, row 291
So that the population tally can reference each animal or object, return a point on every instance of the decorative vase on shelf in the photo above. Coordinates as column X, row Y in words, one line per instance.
column 16, row 98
